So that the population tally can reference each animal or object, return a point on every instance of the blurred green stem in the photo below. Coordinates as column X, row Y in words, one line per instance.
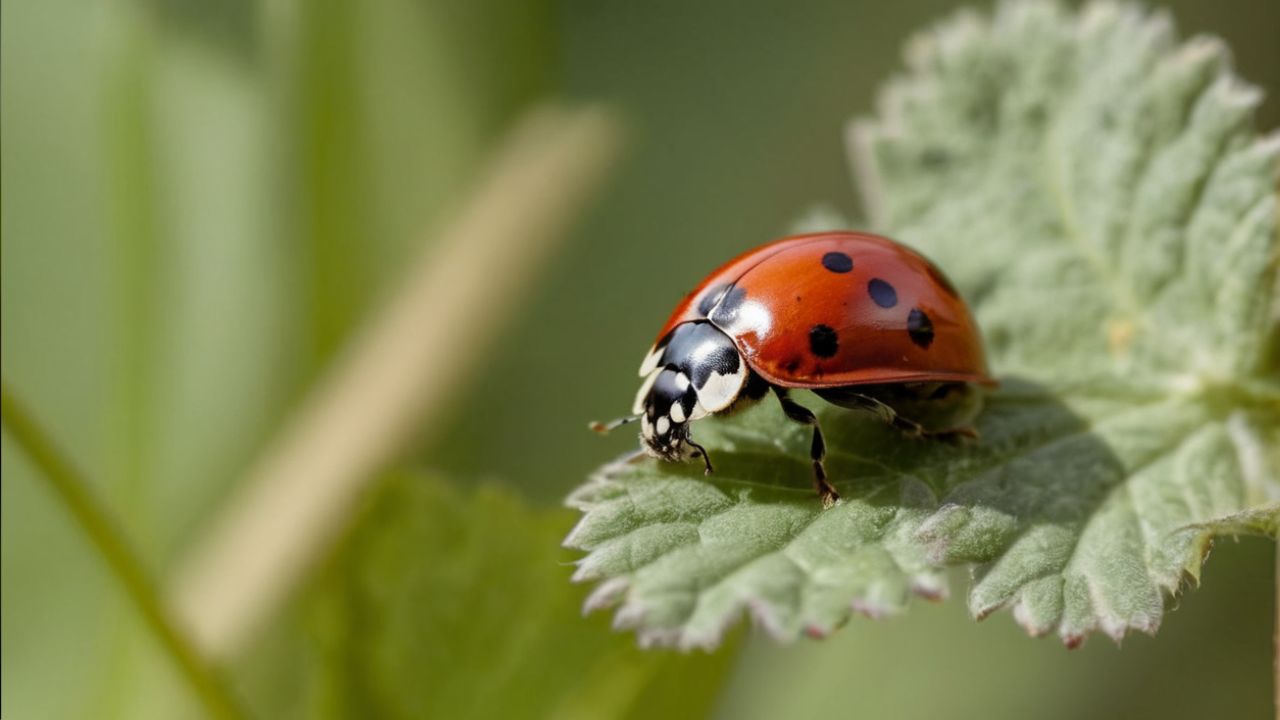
column 108, row 540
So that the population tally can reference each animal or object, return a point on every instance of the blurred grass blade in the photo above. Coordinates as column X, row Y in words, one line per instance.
column 107, row 539
column 396, row 376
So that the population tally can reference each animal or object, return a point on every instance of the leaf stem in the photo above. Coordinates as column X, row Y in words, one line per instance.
column 108, row 539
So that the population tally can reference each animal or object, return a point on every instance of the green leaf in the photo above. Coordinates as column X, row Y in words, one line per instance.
column 1099, row 195
column 454, row 604
column 1264, row 521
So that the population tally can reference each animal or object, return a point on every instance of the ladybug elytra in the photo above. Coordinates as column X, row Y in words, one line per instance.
column 862, row 321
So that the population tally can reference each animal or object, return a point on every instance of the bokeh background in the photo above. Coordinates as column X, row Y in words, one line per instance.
column 201, row 202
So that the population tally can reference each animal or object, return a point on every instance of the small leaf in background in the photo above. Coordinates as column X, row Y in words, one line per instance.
column 1099, row 194
column 445, row 603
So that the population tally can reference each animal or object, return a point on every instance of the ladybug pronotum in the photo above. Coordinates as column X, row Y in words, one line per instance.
column 865, row 323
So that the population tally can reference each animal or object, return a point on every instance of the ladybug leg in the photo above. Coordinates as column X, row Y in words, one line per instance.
column 706, row 459
column 890, row 416
column 885, row 412
column 817, row 451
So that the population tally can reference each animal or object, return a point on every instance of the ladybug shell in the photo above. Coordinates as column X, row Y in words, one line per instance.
column 839, row 308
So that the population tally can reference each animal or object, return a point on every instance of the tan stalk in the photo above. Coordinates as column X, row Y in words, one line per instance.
column 394, row 380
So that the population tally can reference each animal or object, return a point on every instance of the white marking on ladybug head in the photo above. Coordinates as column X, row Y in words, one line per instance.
column 663, row 425
column 677, row 413
column 651, row 360
column 638, row 406
column 682, row 382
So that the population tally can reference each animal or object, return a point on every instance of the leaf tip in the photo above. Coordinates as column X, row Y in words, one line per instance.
column 860, row 137
column 630, row 616
column 870, row 608
column 1027, row 620
column 1072, row 640
column 1236, row 94
column 607, row 594
column 930, row 587
column 816, row 632
column 764, row 616
column 983, row 612
column 1114, row 628
column 573, row 541
column 1200, row 49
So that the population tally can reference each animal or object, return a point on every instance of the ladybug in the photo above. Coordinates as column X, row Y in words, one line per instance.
column 862, row 321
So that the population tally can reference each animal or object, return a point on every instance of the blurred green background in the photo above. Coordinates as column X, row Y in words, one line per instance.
column 202, row 200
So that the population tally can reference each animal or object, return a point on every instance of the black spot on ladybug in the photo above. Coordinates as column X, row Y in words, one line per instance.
column 837, row 262
column 724, row 313
column 920, row 328
column 942, row 280
column 823, row 341
column 710, row 298
column 791, row 365
column 882, row 293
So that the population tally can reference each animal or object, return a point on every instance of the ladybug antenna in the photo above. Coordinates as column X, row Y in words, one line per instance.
column 604, row 428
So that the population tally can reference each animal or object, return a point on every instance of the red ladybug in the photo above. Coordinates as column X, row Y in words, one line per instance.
column 862, row 321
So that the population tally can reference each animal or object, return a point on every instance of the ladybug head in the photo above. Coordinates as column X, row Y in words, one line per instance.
column 694, row 371
column 667, row 408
